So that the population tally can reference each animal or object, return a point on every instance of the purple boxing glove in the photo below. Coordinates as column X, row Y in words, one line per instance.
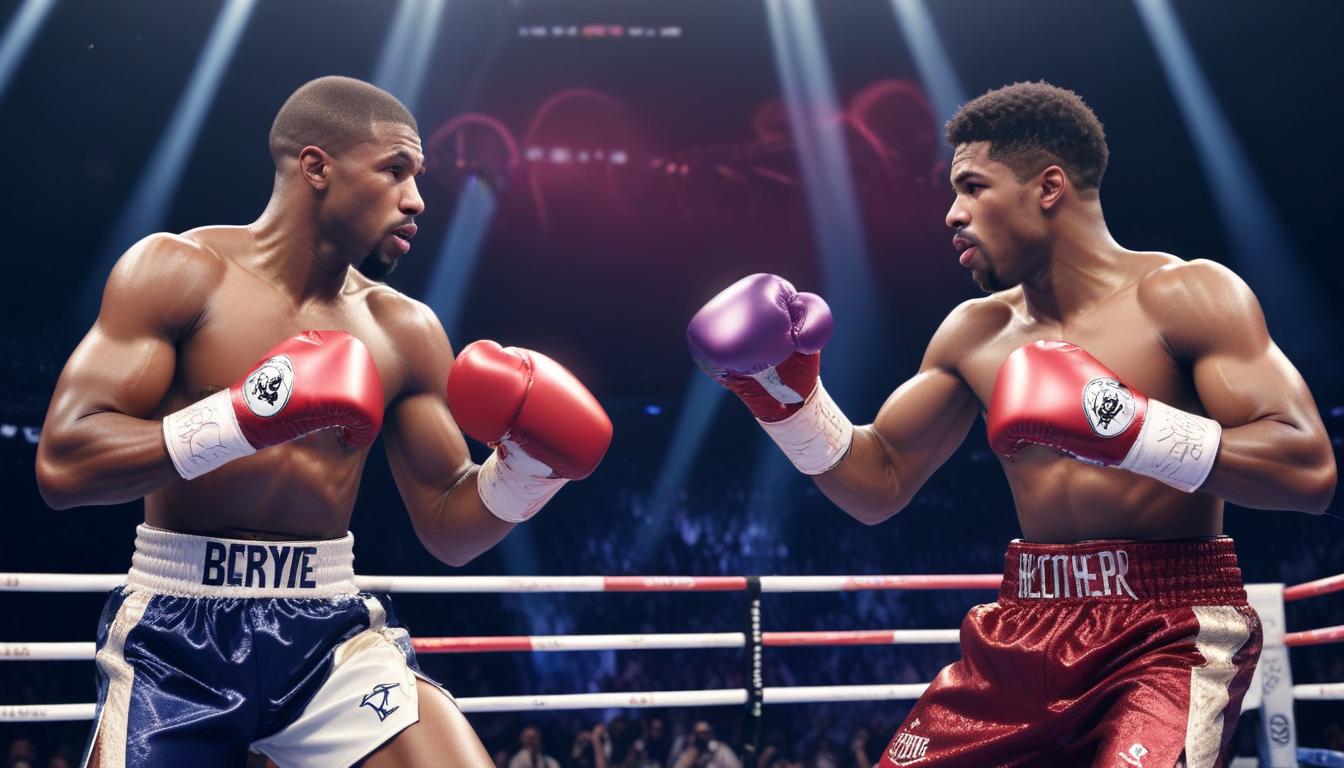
column 762, row 340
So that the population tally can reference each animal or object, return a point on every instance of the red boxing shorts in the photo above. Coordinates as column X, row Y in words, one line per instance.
column 1102, row 653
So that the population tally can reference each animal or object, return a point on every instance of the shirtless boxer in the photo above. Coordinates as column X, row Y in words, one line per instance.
column 1128, row 395
column 239, row 626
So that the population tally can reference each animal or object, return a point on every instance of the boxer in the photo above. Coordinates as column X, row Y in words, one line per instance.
column 1128, row 395
column 234, row 379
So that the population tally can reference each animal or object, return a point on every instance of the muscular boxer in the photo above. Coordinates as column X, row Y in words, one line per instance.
column 1128, row 394
column 235, row 379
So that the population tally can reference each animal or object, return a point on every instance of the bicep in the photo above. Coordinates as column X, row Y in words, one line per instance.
column 1240, row 374
column 425, row 448
column 125, row 363
column 924, row 420
column 122, row 374
column 1240, row 381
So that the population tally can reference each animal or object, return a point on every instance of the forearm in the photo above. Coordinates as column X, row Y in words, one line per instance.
column 1272, row 464
column 866, row 483
column 459, row 527
column 102, row 458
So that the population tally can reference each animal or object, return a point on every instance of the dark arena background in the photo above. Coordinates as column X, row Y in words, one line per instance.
column 597, row 171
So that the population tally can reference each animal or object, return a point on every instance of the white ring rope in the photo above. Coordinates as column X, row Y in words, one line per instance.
column 1319, row 692
column 805, row 694
column 548, row 643
column 58, row 582
column 103, row 582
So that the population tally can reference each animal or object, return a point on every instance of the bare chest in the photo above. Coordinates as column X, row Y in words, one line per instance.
column 246, row 317
column 1116, row 332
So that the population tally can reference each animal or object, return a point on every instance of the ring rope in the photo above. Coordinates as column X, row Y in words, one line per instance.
column 1314, row 588
column 103, row 582
column 546, row 643
column 643, row 699
column 57, row 582
column 1315, row 636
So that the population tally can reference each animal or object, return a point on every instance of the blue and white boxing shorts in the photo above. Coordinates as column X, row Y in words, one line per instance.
column 217, row 646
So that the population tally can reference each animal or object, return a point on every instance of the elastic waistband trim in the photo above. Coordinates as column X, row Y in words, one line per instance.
column 1193, row 572
column 173, row 563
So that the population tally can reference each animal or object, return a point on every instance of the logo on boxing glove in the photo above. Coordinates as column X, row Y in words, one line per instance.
column 267, row 389
column 1109, row 406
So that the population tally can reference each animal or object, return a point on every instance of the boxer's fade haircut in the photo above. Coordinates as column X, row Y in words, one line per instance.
column 334, row 113
column 1031, row 126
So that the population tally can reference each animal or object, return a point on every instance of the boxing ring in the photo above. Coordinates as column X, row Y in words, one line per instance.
column 1272, row 692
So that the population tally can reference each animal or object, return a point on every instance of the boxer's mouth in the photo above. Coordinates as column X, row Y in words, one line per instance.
column 403, row 236
column 967, row 249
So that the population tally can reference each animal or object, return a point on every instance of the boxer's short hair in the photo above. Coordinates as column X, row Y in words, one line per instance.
column 1031, row 126
column 333, row 113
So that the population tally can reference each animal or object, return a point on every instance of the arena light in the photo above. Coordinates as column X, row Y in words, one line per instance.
column 936, row 72
column 147, row 207
column 814, row 116
column 459, row 253
column 19, row 37
column 699, row 405
column 406, row 52
column 1263, row 252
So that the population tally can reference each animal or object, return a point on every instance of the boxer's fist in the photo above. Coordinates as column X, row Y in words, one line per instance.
column 762, row 339
column 1055, row 394
column 500, row 394
column 546, row 427
column 313, row 381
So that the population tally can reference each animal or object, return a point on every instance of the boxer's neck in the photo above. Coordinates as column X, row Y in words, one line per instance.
column 1081, row 265
column 290, row 249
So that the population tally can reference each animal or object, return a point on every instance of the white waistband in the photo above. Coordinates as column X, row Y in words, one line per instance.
column 204, row 566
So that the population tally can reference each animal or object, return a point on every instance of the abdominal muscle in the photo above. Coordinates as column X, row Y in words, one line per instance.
column 1060, row 499
column 303, row 490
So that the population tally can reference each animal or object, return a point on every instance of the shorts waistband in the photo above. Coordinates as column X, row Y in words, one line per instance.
column 1193, row 572
column 173, row 563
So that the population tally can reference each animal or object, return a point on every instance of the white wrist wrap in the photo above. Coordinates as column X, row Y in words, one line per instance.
column 815, row 438
column 1175, row 447
column 516, row 486
column 204, row 436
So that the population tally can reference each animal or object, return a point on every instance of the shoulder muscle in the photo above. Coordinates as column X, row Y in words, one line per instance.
column 1202, row 306
column 163, row 280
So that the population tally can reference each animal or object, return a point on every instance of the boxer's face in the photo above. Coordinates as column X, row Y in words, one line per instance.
column 999, row 230
column 373, row 198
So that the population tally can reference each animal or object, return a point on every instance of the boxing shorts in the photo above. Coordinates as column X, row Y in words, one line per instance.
column 217, row 647
column 1101, row 653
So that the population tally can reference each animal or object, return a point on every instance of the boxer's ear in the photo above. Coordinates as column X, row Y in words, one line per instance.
column 1052, row 182
column 315, row 167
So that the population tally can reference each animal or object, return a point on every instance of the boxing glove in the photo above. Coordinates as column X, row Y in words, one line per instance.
column 1055, row 394
column 313, row 381
column 545, row 426
column 762, row 339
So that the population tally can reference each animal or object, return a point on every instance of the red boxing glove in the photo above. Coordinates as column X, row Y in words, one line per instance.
column 1055, row 394
column 547, row 427
column 313, row 381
